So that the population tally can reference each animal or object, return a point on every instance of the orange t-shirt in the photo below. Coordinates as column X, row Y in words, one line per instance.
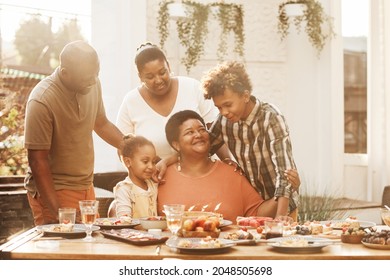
column 220, row 185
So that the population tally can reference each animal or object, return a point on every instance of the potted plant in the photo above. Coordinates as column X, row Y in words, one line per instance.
column 319, row 25
column 192, row 32
column 230, row 17
column 320, row 205
column 193, row 28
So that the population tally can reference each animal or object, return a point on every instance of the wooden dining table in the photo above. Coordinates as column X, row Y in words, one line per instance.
column 30, row 245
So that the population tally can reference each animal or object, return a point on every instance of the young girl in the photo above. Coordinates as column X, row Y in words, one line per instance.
column 136, row 195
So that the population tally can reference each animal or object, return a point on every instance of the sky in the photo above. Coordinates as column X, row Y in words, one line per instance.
column 354, row 18
column 12, row 12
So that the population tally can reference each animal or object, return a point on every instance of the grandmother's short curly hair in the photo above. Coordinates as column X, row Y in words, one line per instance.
column 231, row 75
column 172, row 128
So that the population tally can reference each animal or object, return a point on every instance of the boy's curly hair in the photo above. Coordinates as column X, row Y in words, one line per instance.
column 231, row 75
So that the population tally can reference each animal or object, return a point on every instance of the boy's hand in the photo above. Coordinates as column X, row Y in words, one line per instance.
column 293, row 177
column 235, row 164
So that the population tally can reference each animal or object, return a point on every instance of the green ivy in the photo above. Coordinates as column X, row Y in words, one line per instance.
column 193, row 30
column 163, row 22
column 319, row 26
column 192, row 33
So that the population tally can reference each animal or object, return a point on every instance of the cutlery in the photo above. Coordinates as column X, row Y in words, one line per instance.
column 158, row 249
column 387, row 207
column 47, row 238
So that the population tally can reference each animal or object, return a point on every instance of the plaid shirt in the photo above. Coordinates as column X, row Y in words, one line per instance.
column 262, row 147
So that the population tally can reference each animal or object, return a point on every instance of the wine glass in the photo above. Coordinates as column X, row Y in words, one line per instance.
column 174, row 214
column 385, row 214
column 89, row 210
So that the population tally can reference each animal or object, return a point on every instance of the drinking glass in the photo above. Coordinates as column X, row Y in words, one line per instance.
column 89, row 210
column 273, row 229
column 385, row 214
column 67, row 218
column 174, row 214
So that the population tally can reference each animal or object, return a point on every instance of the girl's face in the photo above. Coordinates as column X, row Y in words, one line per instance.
column 193, row 138
column 143, row 163
column 232, row 105
column 156, row 78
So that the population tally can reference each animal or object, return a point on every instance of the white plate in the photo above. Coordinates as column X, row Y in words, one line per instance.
column 78, row 229
column 363, row 224
column 114, row 226
column 315, row 244
column 195, row 242
column 382, row 227
column 225, row 223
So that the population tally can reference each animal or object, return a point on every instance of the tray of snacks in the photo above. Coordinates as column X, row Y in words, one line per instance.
column 135, row 237
column 116, row 223
column 206, row 245
column 77, row 231
column 350, row 222
column 251, row 222
column 299, row 244
column 377, row 240
column 243, row 237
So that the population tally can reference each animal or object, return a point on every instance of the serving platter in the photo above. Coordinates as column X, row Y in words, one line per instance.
column 78, row 230
column 195, row 245
column 333, row 223
column 135, row 237
column 376, row 246
column 225, row 223
column 314, row 244
column 331, row 235
column 111, row 223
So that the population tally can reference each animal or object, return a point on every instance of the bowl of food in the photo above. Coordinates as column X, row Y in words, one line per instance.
column 200, row 226
column 154, row 222
column 352, row 235
column 385, row 214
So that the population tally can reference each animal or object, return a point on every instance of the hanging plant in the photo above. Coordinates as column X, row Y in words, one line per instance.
column 192, row 30
column 319, row 26
column 192, row 33
column 230, row 18
column 163, row 22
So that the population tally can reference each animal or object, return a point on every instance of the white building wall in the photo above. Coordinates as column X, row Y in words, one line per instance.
column 308, row 90
column 117, row 28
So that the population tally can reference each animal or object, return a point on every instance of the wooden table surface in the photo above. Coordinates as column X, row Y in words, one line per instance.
column 24, row 246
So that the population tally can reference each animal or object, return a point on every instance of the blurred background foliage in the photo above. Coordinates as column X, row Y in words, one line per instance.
column 13, row 159
column 38, row 45
column 38, row 49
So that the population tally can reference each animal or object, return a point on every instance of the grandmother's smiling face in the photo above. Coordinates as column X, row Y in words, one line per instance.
column 193, row 138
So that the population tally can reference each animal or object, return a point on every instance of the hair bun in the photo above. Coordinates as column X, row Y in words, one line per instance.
column 128, row 136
